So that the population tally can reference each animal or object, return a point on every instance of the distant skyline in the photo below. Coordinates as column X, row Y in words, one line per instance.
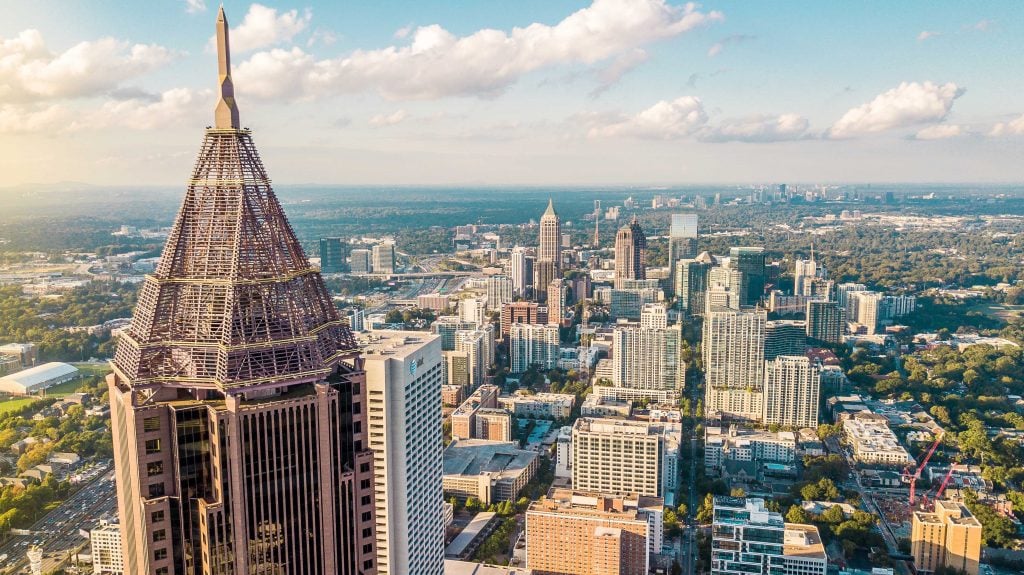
column 536, row 92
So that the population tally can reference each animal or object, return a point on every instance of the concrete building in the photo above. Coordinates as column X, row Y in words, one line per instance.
column 558, row 293
column 550, row 250
column 361, row 261
column 457, row 369
column 824, row 321
column 725, row 288
column 784, row 337
column 447, row 326
column 690, row 283
column 499, row 291
column 582, row 533
column 473, row 310
column 105, row 547
column 749, row 261
column 494, row 424
column 333, row 255
column 403, row 383
column 434, row 301
column 464, row 417
column 647, row 359
column 539, row 405
column 522, row 270
column 630, row 253
column 950, row 537
column 452, row 394
column 868, row 310
column 491, row 471
column 752, row 453
column 531, row 344
column 478, row 345
column 622, row 456
column 628, row 303
column 747, row 538
column 873, row 442
column 522, row 312
column 384, row 258
column 733, row 349
column 792, row 391
column 596, row 406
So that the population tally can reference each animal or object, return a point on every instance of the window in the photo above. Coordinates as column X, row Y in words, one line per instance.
column 364, row 467
column 156, row 490
column 154, row 468
column 160, row 554
column 367, row 500
column 157, row 517
column 364, row 484
column 368, row 548
column 152, row 446
column 368, row 564
column 151, row 424
column 162, row 571
column 367, row 532
column 366, row 515
column 159, row 535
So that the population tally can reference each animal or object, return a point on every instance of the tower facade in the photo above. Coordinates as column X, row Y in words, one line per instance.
column 236, row 395
column 733, row 347
column 792, row 391
column 630, row 253
column 750, row 261
column 550, row 241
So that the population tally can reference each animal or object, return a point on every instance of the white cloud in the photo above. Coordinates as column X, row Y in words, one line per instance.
column 384, row 120
column 939, row 132
column 733, row 40
column 927, row 35
column 23, row 119
column 437, row 64
column 404, row 31
column 1014, row 127
column 982, row 25
column 665, row 120
column 760, row 128
column 321, row 36
column 610, row 75
column 909, row 104
column 263, row 26
column 170, row 108
column 29, row 71
column 195, row 6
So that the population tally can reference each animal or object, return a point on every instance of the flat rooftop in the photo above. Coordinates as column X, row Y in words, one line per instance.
column 394, row 344
column 476, row 456
column 803, row 541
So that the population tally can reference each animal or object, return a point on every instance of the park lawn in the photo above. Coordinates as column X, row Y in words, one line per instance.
column 89, row 369
column 9, row 405
column 63, row 389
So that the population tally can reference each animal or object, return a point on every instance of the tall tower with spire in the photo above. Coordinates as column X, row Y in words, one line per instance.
column 630, row 253
column 550, row 236
column 237, row 393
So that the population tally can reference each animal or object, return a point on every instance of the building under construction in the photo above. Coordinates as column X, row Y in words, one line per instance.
column 237, row 392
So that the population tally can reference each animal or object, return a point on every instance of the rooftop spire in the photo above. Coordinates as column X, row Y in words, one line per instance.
column 226, row 114
column 551, row 208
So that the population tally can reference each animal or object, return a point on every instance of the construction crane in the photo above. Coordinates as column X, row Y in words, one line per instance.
column 945, row 482
column 912, row 479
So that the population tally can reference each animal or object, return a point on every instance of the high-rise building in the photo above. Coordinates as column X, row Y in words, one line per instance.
column 446, row 326
column 950, row 537
column 747, row 538
column 522, row 270
column 544, row 272
column 843, row 292
column 333, row 255
column 803, row 272
column 384, row 258
column 654, row 316
column 647, row 359
column 558, row 292
column 105, row 547
column 403, row 383
column 691, row 281
column 550, row 249
column 580, row 533
column 792, row 391
column 499, row 291
column 750, row 261
column 456, row 368
column 478, row 345
column 361, row 261
column 725, row 288
column 531, row 344
column 733, row 349
column 237, row 396
column 464, row 418
column 824, row 321
column 868, row 306
column 682, row 237
column 625, row 456
column 630, row 253
column 521, row 312
column 784, row 337
column 473, row 310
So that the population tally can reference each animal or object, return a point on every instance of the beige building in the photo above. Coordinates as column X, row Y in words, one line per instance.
column 620, row 456
column 491, row 471
column 578, row 533
column 873, row 442
column 494, row 424
column 733, row 349
column 464, row 418
column 105, row 545
column 950, row 537
column 539, row 405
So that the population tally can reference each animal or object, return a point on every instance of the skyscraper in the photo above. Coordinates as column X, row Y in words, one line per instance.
column 558, row 292
column 824, row 321
column 237, row 393
column 733, row 347
column 750, row 261
column 682, row 241
column 403, row 383
column 647, row 363
column 522, row 270
column 624, row 456
column 550, row 241
column 531, row 344
column 384, row 258
column 691, row 281
column 792, row 391
column 630, row 253
column 499, row 291
column 333, row 255
column 784, row 337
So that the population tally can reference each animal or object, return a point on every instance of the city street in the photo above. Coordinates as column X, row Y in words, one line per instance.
column 58, row 531
column 687, row 549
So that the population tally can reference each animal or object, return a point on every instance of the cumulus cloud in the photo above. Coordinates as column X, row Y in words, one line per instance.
column 263, row 26
column 25, row 119
column 146, row 113
column 29, row 71
column 733, row 40
column 927, row 35
column 939, row 132
column 384, row 120
column 666, row 120
column 437, row 63
column 758, row 129
column 909, row 104
column 1014, row 127
column 195, row 6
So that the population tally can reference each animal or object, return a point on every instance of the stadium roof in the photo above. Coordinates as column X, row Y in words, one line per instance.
column 36, row 378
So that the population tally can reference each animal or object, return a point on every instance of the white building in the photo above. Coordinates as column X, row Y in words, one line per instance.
column 747, row 538
column 733, row 349
column 499, row 291
column 384, row 258
column 403, row 384
column 539, row 405
column 105, row 546
column 36, row 379
column 473, row 310
column 647, row 359
column 792, row 392
column 531, row 344
column 873, row 442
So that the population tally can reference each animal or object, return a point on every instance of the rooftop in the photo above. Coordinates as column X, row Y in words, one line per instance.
column 393, row 344
column 803, row 541
column 476, row 456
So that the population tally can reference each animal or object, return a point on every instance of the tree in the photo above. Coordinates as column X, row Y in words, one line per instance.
column 670, row 521
column 833, row 515
column 796, row 514
column 473, row 505
column 706, row 511
column 682, row 510
column 737, row 492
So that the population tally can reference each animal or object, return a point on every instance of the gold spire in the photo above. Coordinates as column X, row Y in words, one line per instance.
column 226, row 114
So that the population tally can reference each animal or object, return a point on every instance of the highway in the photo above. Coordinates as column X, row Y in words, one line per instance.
column 57, row 532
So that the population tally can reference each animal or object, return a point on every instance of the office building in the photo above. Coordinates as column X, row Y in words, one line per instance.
column 105, row 548
column 360, row 261
column 333, row 255
column 654, row 316
column 522, row 270
column 725, row 288
column 824, row 321
column 630, row 253
column 434, row 301
column 464, row 418
column 949, row 537
column 550, row 249
column 403, row 384
column 494, row 424
column 747, row 538
column 682, row 241
column 521, row 312
column 733, row 350
column 749, row 261
column 499, row 291
column 236, row 354
column 531, row 344
column 691, row 281
column 581, row 533
column 784, row 337
column 491, row 471
column 623, row 456
column 543, row 273
column 628, row 302
column 558, row 293
column 384, row 258
column 792, row 391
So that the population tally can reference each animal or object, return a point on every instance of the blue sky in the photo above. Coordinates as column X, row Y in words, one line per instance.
column 527, row 92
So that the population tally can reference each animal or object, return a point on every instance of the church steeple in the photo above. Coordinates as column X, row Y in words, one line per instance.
column 226, row 114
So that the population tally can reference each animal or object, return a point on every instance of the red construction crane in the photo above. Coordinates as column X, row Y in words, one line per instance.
column 917, row 474
column 945, row 482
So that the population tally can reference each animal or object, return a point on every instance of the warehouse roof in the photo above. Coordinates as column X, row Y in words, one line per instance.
column 36, row 378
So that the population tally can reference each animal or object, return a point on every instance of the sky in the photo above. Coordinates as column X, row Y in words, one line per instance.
column 530, row 92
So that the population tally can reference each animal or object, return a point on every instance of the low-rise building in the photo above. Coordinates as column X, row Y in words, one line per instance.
column 491, row 471
column 539, row 405
column 464, row 417
column 873, row 442
column 748, row 538
column 744, row 452
column 596, row 406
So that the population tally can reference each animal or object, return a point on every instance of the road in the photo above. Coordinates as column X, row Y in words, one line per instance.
column 687, row 549
column 57, row 532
